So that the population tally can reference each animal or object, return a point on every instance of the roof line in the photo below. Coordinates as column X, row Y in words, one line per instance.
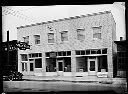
column 75, row 17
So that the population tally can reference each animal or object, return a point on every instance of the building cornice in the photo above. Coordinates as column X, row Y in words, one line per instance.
column 64, row 19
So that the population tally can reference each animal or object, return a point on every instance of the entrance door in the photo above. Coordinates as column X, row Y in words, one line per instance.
column 24, row 68
column 31, row 66
column 60, row 67
column 92, row 66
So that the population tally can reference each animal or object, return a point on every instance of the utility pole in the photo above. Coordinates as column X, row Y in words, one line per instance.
column 7, row 47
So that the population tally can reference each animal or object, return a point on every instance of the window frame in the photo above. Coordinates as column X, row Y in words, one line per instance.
column 51, row 39
column 62, row 37
column 38, row 62
column 37, row 39
column 22, row 57
column 26, row 39
column 79, row 34
column 97, row 30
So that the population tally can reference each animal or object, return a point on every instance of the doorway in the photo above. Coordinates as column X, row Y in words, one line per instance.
column 31, row 66
column 92, row 65
column 60, row 66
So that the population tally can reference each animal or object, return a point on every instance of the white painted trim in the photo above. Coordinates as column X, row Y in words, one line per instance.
column 81, row 74
column 51, row 74
column 91, row 55
column 67, row 73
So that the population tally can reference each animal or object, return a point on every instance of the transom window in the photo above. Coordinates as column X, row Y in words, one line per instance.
column 64, row 36
column 24, row 57
column 80, row 34
column 91, row 51
column 62, row 53
column 32, row 55
column 50, row 37
column 37, row 39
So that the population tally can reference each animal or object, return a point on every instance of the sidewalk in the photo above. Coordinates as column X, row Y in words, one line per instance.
column 77, row 79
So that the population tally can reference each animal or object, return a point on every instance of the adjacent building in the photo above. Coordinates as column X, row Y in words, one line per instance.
column 76, row 46
column 9, row 56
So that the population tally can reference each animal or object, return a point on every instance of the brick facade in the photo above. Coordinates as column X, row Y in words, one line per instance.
column 87, row 22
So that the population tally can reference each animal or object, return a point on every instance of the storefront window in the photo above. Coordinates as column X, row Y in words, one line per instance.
column 67, row 64
column 38, row 63
column 102, row 63
column 51, row 65
column 81, row 63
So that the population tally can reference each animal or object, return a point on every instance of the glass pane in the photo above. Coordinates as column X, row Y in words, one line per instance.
column 37, row 39
column 60, row 66
column 59, row 54
column 26, row 66
column 50, row 35
column 31, row 67
column 29, row 55
column 38, row 63
column 36, row 54
column 64, row 53
column 99, row 51
column 92, row 65
column 50, row 40
column 22, row 66
column 104, row 51
column 93, row 51
column 40, row 54
column 87, row 52
column 97, row 35
column 68, row 53
column 77, row 52
column 33, row 55
column 47, row 54
column 26, row 39
column 31, row 59
column 24, row 57
column 64, row 36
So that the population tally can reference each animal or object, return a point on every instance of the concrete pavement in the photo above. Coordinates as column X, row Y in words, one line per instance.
column 78, row 79
column 44, row 86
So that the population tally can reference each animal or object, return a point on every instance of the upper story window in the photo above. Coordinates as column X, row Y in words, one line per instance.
column 97, row 32
column 64, row 36
column 24, row 57
column 80, row 34
column 37, row 39
column 50, row 37
column 26, row 39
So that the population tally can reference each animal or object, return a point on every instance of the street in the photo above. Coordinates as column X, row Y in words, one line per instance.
column 43, row 86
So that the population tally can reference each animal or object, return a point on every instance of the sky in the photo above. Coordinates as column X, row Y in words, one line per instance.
column 16, row 16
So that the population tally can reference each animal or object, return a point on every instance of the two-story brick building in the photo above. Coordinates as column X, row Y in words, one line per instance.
column 76, row 46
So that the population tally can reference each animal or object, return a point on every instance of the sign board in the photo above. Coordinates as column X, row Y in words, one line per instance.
column 23, row 46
